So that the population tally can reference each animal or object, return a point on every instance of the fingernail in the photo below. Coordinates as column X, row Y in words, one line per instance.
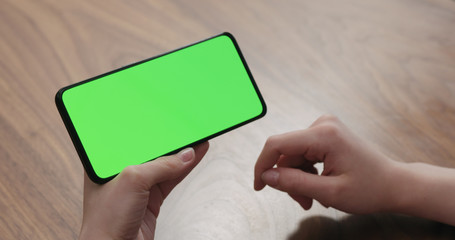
column 186, row 155
column 270, row 177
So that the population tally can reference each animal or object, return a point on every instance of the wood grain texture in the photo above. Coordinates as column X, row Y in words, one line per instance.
column 386, row 68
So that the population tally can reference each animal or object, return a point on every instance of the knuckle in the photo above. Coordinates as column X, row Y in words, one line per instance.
column 169, row 164
column 272, row 141
column 131, row 174
column 331, row 130
column 328, row 118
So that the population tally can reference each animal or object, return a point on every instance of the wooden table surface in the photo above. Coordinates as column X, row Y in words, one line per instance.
column 385, row 67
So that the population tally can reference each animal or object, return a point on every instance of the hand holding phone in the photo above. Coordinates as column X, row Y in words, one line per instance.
column 160, row 105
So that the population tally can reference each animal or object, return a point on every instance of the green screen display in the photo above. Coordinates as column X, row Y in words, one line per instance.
column 159, row 105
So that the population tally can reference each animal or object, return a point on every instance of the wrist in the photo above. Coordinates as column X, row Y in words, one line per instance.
column 424, row 190
column 403, row 185
column 410, row 187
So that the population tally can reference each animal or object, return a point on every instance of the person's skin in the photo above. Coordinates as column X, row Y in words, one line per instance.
column 127, row 207
column 356, row 177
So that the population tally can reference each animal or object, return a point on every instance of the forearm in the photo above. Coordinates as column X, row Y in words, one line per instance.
column 426, row 191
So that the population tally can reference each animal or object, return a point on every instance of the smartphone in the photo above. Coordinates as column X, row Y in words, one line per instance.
column 159, row 106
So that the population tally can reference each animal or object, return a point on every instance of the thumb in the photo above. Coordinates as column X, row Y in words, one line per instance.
column 298, row 183
column 159, row 170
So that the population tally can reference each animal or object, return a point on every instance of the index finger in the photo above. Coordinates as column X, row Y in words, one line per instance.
column 301, row 142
